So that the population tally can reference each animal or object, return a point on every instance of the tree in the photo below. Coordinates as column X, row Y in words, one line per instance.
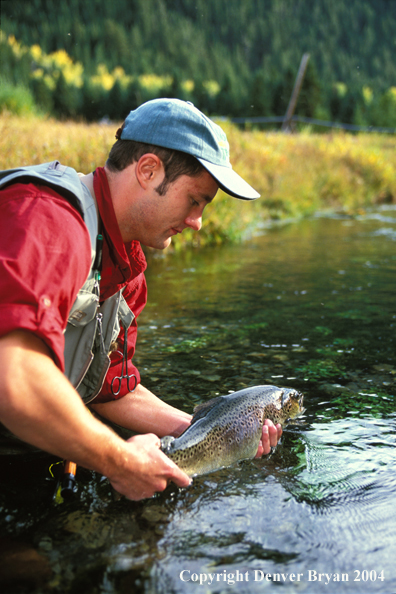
column 65, row 98
column 260, row 95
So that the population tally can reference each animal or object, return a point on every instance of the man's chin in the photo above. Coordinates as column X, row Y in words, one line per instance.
column 159, row 245
column 167, row 243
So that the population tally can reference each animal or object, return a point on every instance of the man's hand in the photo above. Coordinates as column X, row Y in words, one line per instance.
column 147, row 470
column 269, row 438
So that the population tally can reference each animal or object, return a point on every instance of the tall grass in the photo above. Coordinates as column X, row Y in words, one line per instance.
column 297, row 175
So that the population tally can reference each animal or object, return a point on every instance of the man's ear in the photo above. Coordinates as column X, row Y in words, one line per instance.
column 149, row 170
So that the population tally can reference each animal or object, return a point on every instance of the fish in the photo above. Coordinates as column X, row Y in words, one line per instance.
column 228, row 428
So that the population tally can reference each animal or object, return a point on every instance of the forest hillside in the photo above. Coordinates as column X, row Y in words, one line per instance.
column 232, row 58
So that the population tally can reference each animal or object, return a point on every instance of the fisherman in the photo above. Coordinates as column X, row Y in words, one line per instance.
column 72, row 286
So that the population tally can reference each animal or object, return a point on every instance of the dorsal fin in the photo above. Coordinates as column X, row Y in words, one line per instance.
column 201, row 410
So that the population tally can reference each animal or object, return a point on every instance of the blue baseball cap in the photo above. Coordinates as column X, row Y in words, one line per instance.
column 178, row 125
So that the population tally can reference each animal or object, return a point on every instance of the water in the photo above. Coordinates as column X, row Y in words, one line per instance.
column 307, row 305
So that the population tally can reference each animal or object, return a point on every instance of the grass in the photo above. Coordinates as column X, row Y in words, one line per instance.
column 297, row 175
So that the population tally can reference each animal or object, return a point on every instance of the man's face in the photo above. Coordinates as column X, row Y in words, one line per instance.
column 161, row 217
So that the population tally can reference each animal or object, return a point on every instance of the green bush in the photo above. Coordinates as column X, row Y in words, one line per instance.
column 16, row 99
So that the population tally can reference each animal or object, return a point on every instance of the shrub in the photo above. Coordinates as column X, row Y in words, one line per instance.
column 16, row 99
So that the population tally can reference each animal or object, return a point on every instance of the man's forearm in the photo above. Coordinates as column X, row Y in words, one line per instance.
column 41, row 407
column 143, row 412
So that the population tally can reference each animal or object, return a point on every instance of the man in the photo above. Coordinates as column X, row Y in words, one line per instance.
column 72, row 284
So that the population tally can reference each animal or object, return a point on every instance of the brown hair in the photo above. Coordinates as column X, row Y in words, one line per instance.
column 176, row 163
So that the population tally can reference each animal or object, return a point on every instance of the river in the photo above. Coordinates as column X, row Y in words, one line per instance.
column 309, row 305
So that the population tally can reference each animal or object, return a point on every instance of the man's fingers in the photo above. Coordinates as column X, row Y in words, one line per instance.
column 269, row 438
column 274, row 432
column 260, row 449
column 180, row 478
column 266, row 440
column 175, row 474
column 273, row 436
column 148, row 470
column 279, row 431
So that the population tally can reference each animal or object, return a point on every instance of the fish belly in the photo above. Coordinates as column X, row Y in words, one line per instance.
column 198, row 454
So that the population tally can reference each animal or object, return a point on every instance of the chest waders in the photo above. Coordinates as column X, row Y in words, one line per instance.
column 92, row 326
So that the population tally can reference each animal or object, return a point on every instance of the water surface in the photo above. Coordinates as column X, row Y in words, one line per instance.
column 308, row 305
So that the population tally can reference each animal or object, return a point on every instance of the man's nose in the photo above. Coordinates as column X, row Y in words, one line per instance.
column 194, row 222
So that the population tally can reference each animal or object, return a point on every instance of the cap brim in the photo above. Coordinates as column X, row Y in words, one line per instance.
column 230, row 182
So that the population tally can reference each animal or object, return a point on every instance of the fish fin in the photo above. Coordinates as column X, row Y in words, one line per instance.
column 201, row 410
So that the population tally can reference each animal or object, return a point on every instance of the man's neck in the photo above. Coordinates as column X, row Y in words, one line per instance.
column 87, row 180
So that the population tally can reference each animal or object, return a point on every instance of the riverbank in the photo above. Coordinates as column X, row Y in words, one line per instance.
column 297, row 175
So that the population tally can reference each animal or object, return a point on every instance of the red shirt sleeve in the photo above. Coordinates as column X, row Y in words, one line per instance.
column 45, row 256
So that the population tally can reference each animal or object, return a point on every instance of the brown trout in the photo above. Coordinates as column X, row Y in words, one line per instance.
column 228, row 428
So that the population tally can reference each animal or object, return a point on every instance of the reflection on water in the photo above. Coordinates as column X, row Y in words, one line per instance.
column 307, row 305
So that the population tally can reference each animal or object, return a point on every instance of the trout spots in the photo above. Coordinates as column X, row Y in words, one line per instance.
column 228, row 428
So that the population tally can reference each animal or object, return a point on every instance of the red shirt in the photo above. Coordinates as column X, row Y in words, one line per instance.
column 45, row 257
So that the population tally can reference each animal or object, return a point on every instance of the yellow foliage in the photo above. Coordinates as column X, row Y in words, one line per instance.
column 18, row 49
column 103, row 78
column 50, row 64
column 49, row 80
column 391, row 94
column 119, row 73
column 341, row 88
column 212, row 87
column 188, row 86
column 153, row 82
column 367, row 95
column 36, row 52
column 61, row 61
